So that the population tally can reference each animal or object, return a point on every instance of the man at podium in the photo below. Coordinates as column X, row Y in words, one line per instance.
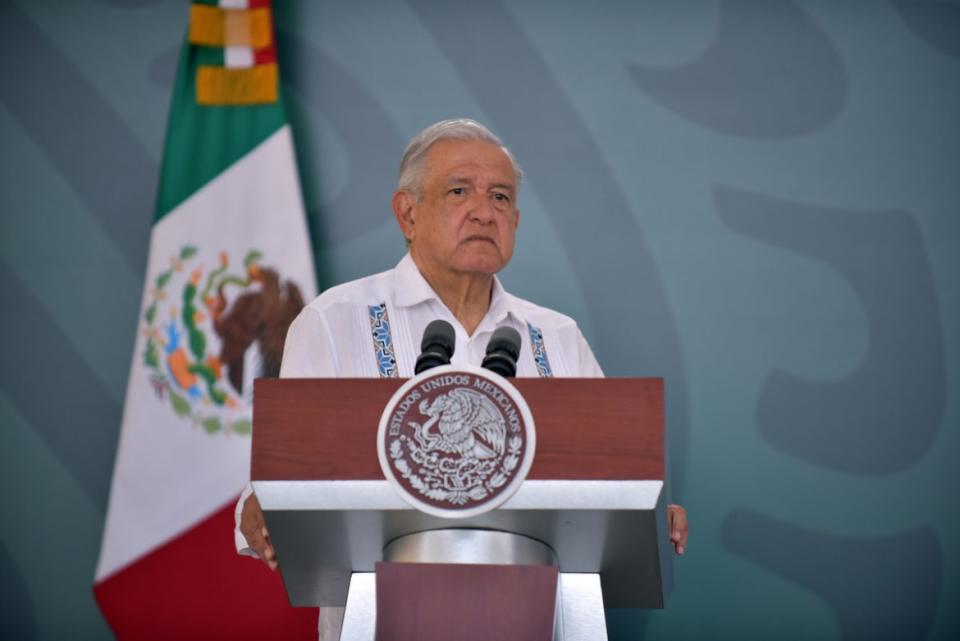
column 456, row 204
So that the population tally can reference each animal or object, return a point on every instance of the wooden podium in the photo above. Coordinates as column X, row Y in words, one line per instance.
column 594, row 498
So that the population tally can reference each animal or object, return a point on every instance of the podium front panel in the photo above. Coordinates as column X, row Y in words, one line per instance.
column 595, row 493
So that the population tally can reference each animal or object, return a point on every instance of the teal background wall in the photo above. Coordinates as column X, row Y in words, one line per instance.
column 757, row 200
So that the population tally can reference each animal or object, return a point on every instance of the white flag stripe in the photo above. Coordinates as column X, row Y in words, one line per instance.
column 170, row 474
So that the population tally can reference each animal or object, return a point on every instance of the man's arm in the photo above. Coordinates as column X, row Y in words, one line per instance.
column 251, row 532
column 676, row 514
column 587, row 365
column 677, row 520
column 307, row 353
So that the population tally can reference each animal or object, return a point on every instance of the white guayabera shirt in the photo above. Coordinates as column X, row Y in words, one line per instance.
column 372, row 327
column 334, row 335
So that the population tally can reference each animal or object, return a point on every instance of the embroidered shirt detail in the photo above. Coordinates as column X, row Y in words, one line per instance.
column 382, row 341
column 539, row 352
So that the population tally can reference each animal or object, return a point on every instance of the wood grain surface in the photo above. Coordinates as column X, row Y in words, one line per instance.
column 587, row 429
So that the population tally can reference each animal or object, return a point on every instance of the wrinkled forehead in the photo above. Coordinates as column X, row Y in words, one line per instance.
column 469, row 161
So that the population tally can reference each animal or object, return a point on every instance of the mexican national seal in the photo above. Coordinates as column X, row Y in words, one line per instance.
column 456, row 441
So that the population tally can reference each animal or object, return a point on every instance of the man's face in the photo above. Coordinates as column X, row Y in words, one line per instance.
column 466, row 217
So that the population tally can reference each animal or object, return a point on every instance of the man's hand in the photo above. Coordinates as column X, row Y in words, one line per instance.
column 677, row 519
column 255, row 531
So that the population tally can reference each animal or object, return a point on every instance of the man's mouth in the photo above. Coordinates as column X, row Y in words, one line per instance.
column 485, row 239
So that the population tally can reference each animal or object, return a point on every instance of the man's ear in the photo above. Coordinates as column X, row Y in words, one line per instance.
column 403, row 210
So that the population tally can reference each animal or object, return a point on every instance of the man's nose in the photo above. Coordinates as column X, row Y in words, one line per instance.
column 482, row 209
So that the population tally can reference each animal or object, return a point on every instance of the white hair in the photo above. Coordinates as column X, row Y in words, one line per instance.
column 414, row 156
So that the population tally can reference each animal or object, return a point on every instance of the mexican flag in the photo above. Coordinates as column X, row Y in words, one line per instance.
column 229, row 267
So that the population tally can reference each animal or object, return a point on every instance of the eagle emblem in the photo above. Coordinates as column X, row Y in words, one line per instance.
column 469, row 425
column 456, row 441
column 210, row 328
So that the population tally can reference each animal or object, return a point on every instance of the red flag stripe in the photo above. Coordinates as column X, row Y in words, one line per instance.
column 196, row 587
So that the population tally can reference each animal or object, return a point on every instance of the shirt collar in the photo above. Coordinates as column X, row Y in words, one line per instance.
column 411, row 288
column 500, row 304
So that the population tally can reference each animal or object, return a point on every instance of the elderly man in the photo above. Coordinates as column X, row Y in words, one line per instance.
column 456, row 204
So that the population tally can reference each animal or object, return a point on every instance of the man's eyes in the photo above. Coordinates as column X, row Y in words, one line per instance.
column 462, row 191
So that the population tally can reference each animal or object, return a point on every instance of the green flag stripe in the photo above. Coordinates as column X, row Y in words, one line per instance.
column 203, row 141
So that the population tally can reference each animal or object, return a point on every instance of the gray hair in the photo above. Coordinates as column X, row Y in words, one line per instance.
column 412, row 163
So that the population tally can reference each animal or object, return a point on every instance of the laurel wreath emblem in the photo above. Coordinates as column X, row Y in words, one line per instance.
column 451, row 479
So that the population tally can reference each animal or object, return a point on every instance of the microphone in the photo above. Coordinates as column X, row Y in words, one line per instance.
column 503, row 350
column 437, row 345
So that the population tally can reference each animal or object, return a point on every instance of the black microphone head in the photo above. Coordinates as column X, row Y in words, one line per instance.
column 506, row 339
column 503, row 350
column 439, row 333
column 437, row 345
